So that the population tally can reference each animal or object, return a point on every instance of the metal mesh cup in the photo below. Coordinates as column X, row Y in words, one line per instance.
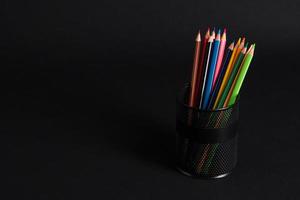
column 206, row 140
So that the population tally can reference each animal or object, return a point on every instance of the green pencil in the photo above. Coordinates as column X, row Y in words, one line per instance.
column 241, row 76
column 232, row 77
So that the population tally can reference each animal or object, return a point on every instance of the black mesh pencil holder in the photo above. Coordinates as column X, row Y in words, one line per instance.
column 206, row 140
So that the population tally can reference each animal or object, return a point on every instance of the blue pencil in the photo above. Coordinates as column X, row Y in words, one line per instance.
column 211, row 71
column 218, row 83
column 206, row 65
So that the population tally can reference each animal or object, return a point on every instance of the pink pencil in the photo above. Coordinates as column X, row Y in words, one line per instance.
column 220, row 57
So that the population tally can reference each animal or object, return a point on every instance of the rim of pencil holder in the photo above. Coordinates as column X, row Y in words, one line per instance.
column 197, row 129
column 182, row 98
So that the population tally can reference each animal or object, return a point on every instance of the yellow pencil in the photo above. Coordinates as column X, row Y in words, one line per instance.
column 227, row 73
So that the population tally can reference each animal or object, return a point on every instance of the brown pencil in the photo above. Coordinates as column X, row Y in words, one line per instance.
column 195, row 70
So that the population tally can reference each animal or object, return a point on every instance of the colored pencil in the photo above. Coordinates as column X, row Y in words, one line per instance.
column 226, row 103
column 216, row 80
column 220, row 57
column 207, row 61
column 214, row 95
column 241, row 75
column 195, row 70
column 238, row 51
column 240, row 48
column 221, row 76
column 201, row 68
column 231, row 78
column 236, row 85
column 211, row 70
column 227, row 74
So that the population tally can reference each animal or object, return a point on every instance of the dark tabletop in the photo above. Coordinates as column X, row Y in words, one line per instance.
column 88, row 99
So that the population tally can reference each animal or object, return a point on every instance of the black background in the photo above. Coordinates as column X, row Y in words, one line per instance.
column 88, row 98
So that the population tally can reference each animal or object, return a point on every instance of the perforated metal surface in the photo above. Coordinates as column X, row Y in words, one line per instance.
column 193, row 157
column 197, row 157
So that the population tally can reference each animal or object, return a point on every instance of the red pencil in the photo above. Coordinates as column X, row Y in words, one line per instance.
column 195, row 71
column 200, row 69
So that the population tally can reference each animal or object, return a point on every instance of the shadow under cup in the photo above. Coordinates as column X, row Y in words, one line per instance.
column 206, row 140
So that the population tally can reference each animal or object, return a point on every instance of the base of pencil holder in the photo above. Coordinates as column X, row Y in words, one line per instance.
column 206, row 140
column 202, row 177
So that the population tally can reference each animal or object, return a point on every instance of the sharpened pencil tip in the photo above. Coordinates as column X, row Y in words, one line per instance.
column 207, row 34
column 238, row 42
column 224, row 35
column 251, row 46
column 252, row 50
column 213, row 34
column 198, row 38
column 231, row 46
column 243, row 40
column 218, row 36
column 211, row 38
column 241, row 45
column 244, row 51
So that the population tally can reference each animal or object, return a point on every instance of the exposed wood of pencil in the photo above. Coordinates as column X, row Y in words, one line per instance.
column 231, row 46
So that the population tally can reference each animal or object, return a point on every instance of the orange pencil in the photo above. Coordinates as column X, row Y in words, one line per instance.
column 240, row 48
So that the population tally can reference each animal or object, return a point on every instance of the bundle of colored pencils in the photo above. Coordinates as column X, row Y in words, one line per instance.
column 218, row 74
column 217, row 77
